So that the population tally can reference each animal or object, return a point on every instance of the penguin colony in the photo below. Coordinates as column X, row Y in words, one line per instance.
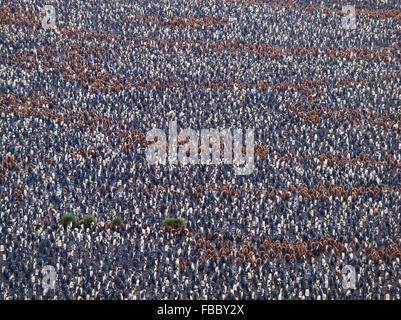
column 324, row 101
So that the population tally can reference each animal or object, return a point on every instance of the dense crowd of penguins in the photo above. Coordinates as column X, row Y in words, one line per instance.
column 324, row 101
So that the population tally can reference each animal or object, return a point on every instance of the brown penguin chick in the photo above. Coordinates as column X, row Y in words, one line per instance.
column 371, row 256
column 46, row 220
column 271, row 254
column 287, row 257
column 252, row 247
